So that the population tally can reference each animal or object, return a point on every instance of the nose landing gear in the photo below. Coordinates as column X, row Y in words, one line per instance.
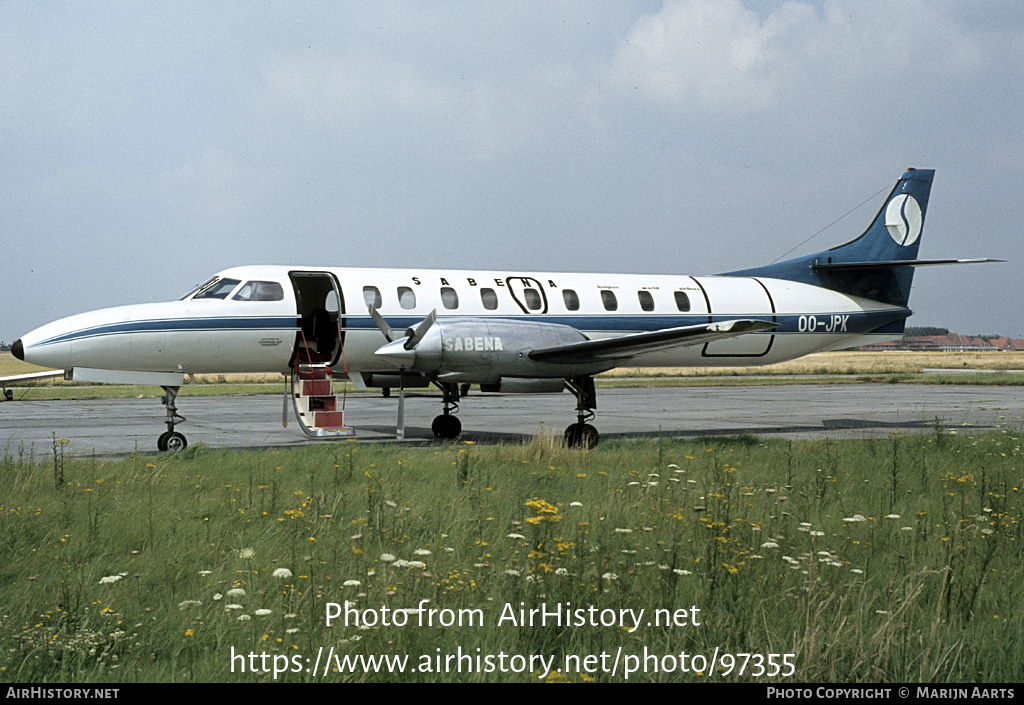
column 171, row 440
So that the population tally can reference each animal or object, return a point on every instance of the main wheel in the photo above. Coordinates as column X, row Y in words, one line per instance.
column 446, row 426
column 581, row 436
column 161, row 442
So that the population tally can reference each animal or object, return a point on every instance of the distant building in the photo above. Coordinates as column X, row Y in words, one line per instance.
column 951, row 342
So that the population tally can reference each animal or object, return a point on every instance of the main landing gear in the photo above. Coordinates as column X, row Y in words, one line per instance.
column 581, row 434
column 446, row 425
column 171, row 440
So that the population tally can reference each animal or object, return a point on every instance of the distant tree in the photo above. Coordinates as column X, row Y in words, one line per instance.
column 917, row 331
column 4, row 347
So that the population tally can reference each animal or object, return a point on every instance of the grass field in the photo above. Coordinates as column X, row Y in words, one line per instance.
column 854, row 561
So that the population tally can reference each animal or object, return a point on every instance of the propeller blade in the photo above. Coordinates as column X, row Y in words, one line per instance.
column 400, row 433
column 415, row 336
column 381, row 323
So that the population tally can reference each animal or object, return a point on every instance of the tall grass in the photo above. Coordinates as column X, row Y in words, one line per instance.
column 891, row 560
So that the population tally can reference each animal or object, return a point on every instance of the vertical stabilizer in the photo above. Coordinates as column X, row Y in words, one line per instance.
column 869, row 266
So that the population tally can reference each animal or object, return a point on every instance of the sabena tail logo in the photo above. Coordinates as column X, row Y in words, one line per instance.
column 903, row 219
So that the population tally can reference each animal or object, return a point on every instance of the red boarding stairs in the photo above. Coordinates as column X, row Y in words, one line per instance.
column 316, row 406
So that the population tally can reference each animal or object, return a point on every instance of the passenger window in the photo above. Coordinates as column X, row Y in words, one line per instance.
column 489, row 299
column 533, row 300
column 449, row 298
column 682, row 301
column 406, row 297
column 260, row 291
column 371, row 295
column 572, row 301
column 608, row 299
column 646, row 300
column 219, row 290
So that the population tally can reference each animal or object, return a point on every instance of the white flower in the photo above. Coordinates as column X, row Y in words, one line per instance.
column 232, row 607
column 387, row 557
column 291, row 631
column 680, row 571
column 189, row 603
column 856, row 570
column 417, row 564
column 205, row 572
column 246, row 553
column 511, row 571
column 575, row 504
column 855, row 517
column 244, row 618
column 421, row 552
column 769, row 544
column 515, row 536
column 623, row 531
column 236, row 592
column 110, row 579
column 217, row 596
column 351, row 583
column 892, row 516
column 610, row 576
column 263, row 612
column 282, row 573
column 817, row 533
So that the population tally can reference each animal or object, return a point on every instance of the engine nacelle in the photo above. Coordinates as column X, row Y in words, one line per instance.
column 484, row 351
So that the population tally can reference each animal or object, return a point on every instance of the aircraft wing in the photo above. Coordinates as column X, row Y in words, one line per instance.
column 31, row 375
column 628, row 346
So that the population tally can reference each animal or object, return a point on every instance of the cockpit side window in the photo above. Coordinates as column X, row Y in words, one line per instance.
column 260, row 291
column 217, row 289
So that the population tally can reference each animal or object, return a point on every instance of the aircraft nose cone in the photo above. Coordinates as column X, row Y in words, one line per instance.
column 18, row 350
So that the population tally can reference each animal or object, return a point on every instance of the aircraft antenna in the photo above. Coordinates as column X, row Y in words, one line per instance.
column 869, row 198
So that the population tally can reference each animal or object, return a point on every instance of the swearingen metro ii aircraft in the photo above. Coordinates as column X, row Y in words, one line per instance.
column 506, row 331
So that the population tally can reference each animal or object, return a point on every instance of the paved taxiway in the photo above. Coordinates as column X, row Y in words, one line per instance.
column 113, row 427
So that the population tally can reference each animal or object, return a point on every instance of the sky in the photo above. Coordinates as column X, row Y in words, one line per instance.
column 145, row 146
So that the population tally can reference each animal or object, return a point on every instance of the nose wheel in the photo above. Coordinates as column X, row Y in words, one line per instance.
column 171, row 441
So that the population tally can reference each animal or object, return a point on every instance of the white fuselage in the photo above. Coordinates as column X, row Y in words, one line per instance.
column 237, row 331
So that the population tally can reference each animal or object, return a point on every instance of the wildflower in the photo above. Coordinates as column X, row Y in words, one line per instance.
column 217, row 596
column 246, row 553
column 575, row 504
column 680, row 571
column 892, row 516
column 769, row 544
column 351, row 583
column 236, row 592
column 244, row 618
column 511, row 571
column 515, row 536
column 387, row 557
column 189, row 603
column 855, row 517
column 205, row 572
column 282, row 573
column 421, row 552
column 232, row 607
column 610, row 576
column 110, row 579
column 263, row 612
column 857, row 570
column 623, row 531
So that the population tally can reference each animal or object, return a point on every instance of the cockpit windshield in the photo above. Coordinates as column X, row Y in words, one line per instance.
column 218, row 289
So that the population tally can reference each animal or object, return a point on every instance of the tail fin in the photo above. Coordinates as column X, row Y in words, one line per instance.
column 879, row 264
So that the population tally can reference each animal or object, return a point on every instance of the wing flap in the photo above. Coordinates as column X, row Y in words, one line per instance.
column 626, row 346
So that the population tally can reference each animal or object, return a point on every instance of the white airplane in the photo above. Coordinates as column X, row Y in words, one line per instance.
column 506, row 331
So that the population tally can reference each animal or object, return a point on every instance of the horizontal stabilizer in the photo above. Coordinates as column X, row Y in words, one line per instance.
column 627, row 346
column 899, row 263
